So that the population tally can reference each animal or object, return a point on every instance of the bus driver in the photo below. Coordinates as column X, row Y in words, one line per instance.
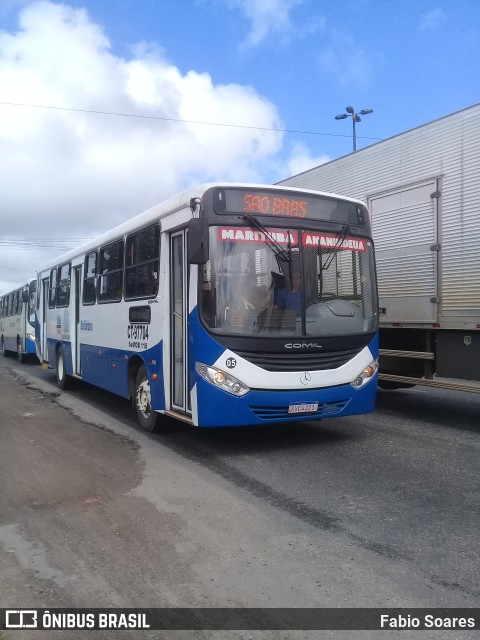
column 288, row 295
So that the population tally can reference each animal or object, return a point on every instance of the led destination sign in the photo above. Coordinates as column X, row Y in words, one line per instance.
column 274, row 205
column 287, row 205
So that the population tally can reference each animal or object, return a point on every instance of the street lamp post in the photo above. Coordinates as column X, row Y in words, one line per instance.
column 355, row 118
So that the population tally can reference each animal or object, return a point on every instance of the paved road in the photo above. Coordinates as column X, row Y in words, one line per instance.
column 377, row 510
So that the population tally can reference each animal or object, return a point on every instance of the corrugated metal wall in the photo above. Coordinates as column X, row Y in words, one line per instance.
column 404, row 231
column 447, row 150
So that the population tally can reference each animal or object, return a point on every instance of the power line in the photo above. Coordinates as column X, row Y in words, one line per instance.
column 42, row 243
column 2, row 266
column 210, row 124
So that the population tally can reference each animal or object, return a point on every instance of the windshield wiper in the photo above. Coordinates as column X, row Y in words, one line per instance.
column 329, row 260
column 277, row 249
column 338, row 244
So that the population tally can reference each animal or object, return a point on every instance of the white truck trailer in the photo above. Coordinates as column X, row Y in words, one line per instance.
column 422, row 188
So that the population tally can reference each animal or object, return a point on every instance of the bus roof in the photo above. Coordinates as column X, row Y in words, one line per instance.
column 21, row 285
column 175, row 203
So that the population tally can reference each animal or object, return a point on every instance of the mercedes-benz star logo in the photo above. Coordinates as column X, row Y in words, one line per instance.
column 305, row 377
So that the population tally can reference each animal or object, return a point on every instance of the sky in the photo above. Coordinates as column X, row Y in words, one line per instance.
column 108, row 107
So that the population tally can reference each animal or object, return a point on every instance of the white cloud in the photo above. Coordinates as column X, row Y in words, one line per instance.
column 301, row 160
column 432, row 20
column 67, row 172
column 266, row 16
column 349, row 63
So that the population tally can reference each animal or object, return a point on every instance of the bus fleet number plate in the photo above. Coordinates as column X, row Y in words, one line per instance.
column 303, row 407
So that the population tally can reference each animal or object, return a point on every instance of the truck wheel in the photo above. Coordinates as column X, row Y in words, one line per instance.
column 148, row 419
column 63, row 380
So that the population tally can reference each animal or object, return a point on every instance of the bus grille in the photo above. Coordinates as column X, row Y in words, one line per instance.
column 325, row 410
column 299, row 361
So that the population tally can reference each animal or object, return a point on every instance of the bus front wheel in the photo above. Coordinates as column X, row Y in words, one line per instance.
column 148, row 419
column 63, row 380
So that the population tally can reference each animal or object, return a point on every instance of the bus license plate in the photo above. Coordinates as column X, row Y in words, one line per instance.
column 303, row 407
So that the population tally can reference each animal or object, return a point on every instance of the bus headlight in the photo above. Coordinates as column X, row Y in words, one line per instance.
column 366, row 375
column 221, row 379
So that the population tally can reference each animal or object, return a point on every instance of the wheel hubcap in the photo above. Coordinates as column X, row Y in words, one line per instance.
column 143, row 398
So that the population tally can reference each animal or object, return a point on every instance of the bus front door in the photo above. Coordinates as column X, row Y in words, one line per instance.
column 77, row 367
column 44, row 341
column 180, row 397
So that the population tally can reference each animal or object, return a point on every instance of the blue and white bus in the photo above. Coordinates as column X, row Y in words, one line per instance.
column 17, row 321
column 226, row 305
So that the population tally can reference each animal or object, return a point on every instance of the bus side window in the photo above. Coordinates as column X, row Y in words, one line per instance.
column 89, row 281
column 52, row 291
column 142, row 263
column 110, row 280
column 16, row 307
column 38, row 292
column 63, row 286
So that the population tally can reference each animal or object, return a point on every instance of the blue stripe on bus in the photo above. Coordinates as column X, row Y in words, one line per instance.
column 10, row 343
column 52, row 344
column 38, row 334
column 108, row 368
column 203, row 347
column 374, row 345
column 105, row 368
column 217, row 408
column 30, row 346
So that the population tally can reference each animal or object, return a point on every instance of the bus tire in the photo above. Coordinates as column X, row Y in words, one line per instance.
column 63, row 380
column 148, row 419
column 4, row 351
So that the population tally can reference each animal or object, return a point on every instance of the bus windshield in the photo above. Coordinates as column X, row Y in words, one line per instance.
column 320, row 285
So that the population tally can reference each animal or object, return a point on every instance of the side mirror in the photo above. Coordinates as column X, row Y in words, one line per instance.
column 197, row 241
